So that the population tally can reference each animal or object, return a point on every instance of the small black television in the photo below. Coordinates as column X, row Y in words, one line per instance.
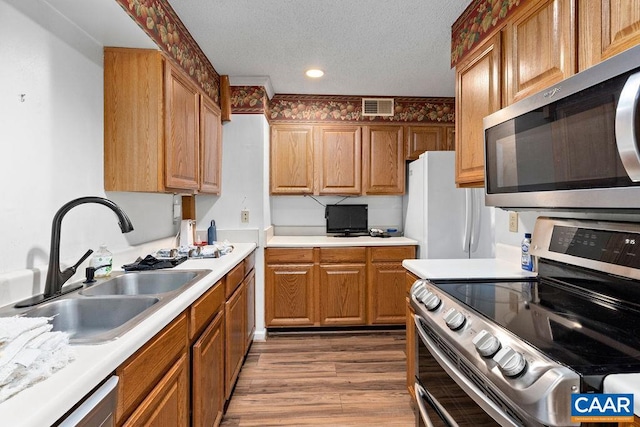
column 347, row 220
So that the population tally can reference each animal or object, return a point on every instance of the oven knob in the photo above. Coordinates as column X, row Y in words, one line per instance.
column 420, row 293
column 510, row 362
column 486, row 343
column 431, row 301
column 454, row 319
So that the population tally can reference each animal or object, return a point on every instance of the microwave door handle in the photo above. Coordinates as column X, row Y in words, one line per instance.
column 423, row 395
column 468, row 214
column 475, row 225
column 625, row 124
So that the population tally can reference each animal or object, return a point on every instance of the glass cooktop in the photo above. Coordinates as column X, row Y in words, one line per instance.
column 574, row 323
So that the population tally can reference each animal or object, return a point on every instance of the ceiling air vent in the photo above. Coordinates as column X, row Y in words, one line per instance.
column 377, row 106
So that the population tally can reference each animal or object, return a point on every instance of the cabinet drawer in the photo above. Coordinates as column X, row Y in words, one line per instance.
column 392, row 253
column 233, row 279
column 141, row 372
column 343, row 255
column 205, row 308
column 289, row 255
column 249, row 263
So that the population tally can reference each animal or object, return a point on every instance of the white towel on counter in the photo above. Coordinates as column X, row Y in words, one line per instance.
column 29, row 353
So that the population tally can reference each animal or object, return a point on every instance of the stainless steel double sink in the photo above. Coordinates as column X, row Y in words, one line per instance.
column 107, row 309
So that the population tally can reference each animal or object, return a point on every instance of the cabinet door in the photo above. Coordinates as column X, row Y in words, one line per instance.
column 606, row 28
column 539, row 47
column 235, row 337
column 423, row 138
column 210, row 146
column 384, row 167
column 342, row 294
column 167, row 404
column 338, row 159
column 387, row 293
column 290, row 295
column 411, row 349
column 207, row 379
column 291, row 159
column 449, row 138
column 182, row 128
column 477, row 96
column 251, row 307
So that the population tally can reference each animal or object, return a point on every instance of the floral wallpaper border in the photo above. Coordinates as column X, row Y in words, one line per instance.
column 158, row 19
column 476, row 23
column 332, row 108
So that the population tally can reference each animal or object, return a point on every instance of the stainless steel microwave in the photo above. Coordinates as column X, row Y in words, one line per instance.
column 571, row 146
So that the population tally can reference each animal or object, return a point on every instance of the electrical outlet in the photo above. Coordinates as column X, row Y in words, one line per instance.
column 513, row 222
column 244, row 215
column 177, row 209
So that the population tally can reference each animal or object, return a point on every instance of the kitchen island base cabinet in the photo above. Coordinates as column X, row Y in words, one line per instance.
column 347, row 286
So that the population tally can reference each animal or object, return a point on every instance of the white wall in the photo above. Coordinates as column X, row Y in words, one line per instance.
column 303, row 215
column 245, row 142
column 52, row 147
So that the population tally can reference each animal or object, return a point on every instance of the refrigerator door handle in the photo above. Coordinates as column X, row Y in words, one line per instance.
column 468, row 214
column 475, row 225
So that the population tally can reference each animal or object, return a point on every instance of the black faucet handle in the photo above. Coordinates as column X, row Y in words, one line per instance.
column 85, row 256
column 71, row 270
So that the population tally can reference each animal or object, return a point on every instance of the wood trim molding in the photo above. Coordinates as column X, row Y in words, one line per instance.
column 164, row 27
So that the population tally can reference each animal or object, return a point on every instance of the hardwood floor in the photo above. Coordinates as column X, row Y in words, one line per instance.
column 323, row 380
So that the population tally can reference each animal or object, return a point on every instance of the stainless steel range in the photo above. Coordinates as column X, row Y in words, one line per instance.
column 513, row 352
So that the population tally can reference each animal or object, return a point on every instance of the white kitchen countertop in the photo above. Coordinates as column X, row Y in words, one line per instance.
column 330, row 241
column 45, row 402
column 475, row 268
column 625, row 384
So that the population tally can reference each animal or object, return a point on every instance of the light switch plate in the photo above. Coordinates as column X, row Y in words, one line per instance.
column 513, row 222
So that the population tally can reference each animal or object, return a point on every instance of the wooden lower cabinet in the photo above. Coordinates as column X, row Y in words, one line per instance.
column 167, row 404
column 386, row 293
column 250, row 284
column 191, row 365
column 411, row 336
column 141, row 373
column 290, row 295
column 342, row 294
column 235, row 335
column 348, row 286
column 207, row 384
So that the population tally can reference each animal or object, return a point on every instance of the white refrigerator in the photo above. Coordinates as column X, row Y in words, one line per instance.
column 447, row 222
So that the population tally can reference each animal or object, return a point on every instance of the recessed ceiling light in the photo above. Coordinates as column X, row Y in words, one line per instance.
column 314, row 73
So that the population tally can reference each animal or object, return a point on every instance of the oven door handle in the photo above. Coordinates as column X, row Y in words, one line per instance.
column 471, row 389
column 625, row 125
column 423, row 395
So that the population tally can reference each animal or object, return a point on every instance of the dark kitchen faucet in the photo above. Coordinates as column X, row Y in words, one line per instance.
column 55, row 277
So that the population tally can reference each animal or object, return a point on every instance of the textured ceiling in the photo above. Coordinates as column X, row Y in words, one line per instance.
column 365, row 47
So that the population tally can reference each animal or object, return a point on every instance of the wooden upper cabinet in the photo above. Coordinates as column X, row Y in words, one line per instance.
column 152, row 125
column 383, row 158
column 292, row 159
column 477, row 96
column 539, row 47
column 210, row 147
column 421, row 138
column 606, row 28
column 338, row 159
column 182, row 124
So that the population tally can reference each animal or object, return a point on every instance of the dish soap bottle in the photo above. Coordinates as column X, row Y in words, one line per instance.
column 211, row 233
column 527, row 259
column 102, row 261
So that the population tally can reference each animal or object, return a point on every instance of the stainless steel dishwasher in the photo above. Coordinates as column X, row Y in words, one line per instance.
column 97, row 409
